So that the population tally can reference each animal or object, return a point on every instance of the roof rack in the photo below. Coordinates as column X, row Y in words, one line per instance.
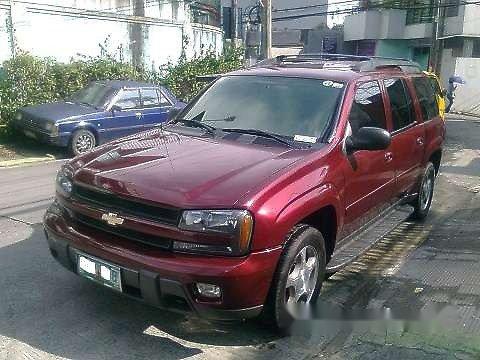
column 343, row 61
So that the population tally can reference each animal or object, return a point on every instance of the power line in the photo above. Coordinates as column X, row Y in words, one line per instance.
column 314, row 6
column 371, row 7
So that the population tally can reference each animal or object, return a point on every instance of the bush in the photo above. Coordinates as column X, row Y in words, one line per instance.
column 29, row 80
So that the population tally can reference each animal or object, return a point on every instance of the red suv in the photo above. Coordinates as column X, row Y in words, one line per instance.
column 269, row 179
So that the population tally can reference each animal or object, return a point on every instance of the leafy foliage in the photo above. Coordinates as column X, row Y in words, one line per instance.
column 28, row 80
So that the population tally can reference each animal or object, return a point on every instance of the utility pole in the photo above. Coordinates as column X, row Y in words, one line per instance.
column 11, row 30
column 234, row 20
column 435, row 54
column 267, row 29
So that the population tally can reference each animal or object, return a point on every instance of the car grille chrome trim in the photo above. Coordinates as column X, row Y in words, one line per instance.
column 116, row 203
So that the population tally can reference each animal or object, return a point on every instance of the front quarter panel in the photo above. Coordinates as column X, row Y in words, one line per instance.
column 294, row 197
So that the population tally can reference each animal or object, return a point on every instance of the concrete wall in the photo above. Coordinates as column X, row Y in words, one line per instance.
column 387, row 24
column 394, row 48
column 471, row 20
column 153, row 41
column 466, row 100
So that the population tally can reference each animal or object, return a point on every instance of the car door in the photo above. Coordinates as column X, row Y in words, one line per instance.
column 127, row 115
column 369, row 175
column 156, row 107
column 408, row 135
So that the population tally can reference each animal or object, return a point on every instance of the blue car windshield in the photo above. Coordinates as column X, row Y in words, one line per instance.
column 294, row 108
column 96, row 95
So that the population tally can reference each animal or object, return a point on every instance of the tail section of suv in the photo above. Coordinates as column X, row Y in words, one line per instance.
column 270, row 178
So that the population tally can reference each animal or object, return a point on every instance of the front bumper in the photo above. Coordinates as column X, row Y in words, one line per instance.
column 166, row 280
column 42, row 136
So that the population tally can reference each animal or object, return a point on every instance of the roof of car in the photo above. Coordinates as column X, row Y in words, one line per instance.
column 120, row 84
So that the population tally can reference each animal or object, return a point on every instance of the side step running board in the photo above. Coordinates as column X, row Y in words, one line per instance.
column 361, row 241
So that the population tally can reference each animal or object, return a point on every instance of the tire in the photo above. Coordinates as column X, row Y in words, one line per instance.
column 82, row 141
column 423, row 202
column 301, row 238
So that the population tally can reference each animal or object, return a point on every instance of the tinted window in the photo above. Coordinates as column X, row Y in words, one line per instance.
column 129, row 99
column 367, row 109
column 281, row 105
column 401, row 104
column 426, row 98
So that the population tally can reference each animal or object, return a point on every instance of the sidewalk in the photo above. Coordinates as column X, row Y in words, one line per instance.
column 433, row 295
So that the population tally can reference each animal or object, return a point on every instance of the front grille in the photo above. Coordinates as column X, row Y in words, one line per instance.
column 117, row 203
column 132, row 235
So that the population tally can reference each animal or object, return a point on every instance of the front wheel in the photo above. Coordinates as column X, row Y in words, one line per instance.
column 424, row 199
column 298, row 278
column 82, row 142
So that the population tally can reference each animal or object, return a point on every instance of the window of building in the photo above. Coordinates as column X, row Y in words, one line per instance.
column 426, row 97
column 367, row 109
column 401, row 104
column 419, row 11
column 451, row 8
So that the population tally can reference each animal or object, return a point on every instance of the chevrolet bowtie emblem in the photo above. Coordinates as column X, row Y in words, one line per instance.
column 112, row 219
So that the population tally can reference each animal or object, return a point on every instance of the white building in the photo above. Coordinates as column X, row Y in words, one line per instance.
column 142, row 31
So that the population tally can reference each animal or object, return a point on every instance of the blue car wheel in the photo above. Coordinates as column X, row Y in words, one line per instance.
column 82, row 141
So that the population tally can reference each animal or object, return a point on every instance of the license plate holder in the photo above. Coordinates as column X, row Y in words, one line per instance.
column 99, row 271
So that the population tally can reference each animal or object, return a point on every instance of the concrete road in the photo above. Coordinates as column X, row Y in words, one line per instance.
column 425, row 274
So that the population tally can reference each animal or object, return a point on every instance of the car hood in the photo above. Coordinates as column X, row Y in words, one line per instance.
column 182, row 171
column 58, row 111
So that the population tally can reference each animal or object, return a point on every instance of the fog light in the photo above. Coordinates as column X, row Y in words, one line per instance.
column 209, row 290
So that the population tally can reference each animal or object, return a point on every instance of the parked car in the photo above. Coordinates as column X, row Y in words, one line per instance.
column 440, row 93
column 103, row 111
column 272, row 177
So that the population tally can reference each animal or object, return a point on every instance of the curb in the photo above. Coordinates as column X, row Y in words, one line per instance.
column 25, row 161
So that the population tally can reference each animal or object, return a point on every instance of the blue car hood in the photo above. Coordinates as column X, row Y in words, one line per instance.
column 59, row 111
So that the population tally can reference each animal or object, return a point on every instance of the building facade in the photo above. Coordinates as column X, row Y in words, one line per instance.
column 149, row 33
column 409, row 33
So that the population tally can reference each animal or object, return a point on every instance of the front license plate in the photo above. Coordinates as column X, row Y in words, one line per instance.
column 30, row 134
column 99, row 271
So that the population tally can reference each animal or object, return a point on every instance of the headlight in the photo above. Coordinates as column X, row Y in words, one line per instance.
column 234, row 227
column 52, row 128
column 18, row 116
column 64, row 183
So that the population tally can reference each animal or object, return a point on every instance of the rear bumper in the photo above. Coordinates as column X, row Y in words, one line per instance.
column 167, row 280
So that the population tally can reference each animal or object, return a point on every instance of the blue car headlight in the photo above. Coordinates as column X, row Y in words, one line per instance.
column 52, row 128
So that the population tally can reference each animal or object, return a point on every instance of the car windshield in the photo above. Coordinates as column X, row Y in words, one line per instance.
column 296, row 108
column 96, row 95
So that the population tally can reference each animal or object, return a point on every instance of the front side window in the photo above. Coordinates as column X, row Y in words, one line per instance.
column 289, row 107
column 401, row 104
column 128, row 99
column 153, row 98
column 367, row 109
column 426, row 97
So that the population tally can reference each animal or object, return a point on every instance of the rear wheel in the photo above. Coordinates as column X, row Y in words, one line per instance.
column 299, row 276
column 82, row 142
column 424, row 199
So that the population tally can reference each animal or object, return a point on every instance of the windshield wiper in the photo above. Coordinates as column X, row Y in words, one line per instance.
column 261, row 133
column 196, row 123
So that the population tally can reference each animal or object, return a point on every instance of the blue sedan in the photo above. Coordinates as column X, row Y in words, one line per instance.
column 101, row 112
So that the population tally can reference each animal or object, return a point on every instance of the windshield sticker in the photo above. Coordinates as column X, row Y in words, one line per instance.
column 333, row 84
column 305, row 139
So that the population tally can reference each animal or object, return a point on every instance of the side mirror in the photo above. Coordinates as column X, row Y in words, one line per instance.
column 368, row 138
column 116, row 108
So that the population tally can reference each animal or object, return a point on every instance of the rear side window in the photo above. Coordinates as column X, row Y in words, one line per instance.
column 435, row 86
column 426, row 97
column 368, row 109
column 401, row 104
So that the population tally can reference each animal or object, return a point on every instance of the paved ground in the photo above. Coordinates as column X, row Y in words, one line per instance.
column 419, row 286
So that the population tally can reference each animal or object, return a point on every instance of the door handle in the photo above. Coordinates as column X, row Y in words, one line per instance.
column 138, row 115
column 420, row 141
column 388, row 157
